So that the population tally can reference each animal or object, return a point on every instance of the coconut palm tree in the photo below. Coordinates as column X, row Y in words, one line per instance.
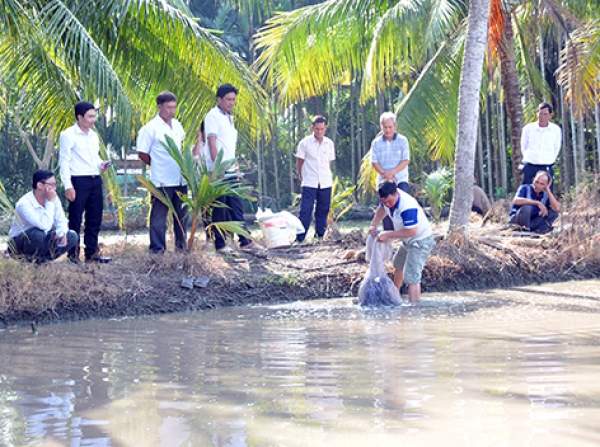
column 119, row 54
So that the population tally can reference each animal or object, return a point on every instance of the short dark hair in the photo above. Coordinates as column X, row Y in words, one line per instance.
column 225, row 89
column 82, row 107
column 319, row 119
column 40, row 176
column 545, row 105
column 165, row 97
column 542, row 172
column 387, row 188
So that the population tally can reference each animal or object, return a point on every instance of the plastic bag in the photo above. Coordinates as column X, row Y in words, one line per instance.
column 377, row 289
column 385, row 249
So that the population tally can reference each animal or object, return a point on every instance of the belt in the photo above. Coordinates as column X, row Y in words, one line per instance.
column 85, row 176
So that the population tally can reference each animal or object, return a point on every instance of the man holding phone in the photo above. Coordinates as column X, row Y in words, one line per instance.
column 80, row 167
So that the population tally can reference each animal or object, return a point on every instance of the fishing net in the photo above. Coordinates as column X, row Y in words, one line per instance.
column 377, row 289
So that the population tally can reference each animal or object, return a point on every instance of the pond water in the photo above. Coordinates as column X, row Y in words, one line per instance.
column 515, row 367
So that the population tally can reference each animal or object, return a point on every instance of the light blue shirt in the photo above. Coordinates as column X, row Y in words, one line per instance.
column 389, row 154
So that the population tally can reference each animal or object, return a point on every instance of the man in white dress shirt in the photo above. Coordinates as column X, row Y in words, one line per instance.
column 80, row 167
column 540, row 145
column 313, row 160
column 164, row 172
column 221, row 136
column 40, row 230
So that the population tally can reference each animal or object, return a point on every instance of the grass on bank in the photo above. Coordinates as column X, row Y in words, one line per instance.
column 34, row 289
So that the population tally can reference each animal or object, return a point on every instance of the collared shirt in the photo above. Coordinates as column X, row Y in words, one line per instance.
column 316, row 170
column 164, row 171
column 30, row 214
column 389, row 154
column 79, row 154
column 540, row 145
column 220, row 124
column 408, row 214
column 528, row 192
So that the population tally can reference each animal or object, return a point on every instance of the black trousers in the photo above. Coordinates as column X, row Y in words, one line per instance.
column 538, row 224
column 39, row 246
column 234, row 212
column 88, row 200
column 322, row 197
column 158, row 220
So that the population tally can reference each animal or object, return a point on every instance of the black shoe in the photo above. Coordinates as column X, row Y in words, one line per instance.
column 76, row 261
column 98, row 259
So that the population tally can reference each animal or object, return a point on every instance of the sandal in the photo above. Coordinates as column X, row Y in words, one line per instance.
column 226, row 250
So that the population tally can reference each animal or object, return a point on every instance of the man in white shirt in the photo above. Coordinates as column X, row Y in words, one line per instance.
column 40, row 230
column 540, row 145
column 164, row 172
column 313, row 160
column 80, row 167
column 221, row 136
column 412, row 227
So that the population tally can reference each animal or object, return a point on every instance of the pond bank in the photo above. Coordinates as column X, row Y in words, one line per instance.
column 138, row 284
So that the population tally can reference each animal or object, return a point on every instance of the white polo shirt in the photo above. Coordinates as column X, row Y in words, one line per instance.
column 30, row 214
column 79, row 154
column 220, row 124
column 541, row 145
column 316, row 170
column 163, row 168
column 408, row 214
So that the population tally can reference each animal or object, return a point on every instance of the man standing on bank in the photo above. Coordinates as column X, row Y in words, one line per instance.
column 222, row 136
column 390, row 156
column 80, row 167
column 313, row 160
column 540, row 145
column 164, row 172
column 409, row 225
column 40, row 228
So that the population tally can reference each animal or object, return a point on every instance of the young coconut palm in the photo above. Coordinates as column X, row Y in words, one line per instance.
column 204, row 188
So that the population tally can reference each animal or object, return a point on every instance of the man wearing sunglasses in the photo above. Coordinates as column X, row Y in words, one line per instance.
column 40, row 230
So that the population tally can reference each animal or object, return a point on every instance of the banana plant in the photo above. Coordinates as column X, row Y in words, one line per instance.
column 204, row 188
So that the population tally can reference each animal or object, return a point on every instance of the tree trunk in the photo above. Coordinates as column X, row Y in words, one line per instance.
column 274, row 153
column 597, row 116
column 512, row 96
column 574, row 145
column 480, row 153
column 352, row 134
column 468, row 110
column 502, row 148
column 259, row 173
column 566, row 177
column 488, row 141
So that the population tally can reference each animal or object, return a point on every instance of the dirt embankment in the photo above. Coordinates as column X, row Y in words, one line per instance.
column 137, row 283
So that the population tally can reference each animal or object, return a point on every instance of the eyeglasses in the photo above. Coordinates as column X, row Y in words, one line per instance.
column 52, row 185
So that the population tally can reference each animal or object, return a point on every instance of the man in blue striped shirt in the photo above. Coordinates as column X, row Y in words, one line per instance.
column 390, row 156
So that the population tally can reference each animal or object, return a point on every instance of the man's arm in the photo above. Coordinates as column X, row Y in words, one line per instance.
column 403, row 164
column 557, row 142
column 145, row 158
column 212, row 147
column 64, row 149
column 554, row 204
column 27, row 213
column 404, row 233
column 524, row 140
column 299, row 164
column 379, row 215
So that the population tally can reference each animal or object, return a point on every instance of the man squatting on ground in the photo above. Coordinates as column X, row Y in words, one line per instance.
column 412, row 227
column 390, row 156
column 40, row 228
column 80, row 166
column 221, row 136
column 164, row 172
column 534, row 206
column 313, row 161
column 540, row 145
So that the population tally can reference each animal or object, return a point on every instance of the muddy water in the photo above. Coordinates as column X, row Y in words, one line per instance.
column 516, row 367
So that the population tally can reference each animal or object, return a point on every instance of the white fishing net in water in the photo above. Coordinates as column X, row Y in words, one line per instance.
column 377, row 289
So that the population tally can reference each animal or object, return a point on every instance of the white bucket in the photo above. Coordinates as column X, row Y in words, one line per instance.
column 275, row 231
